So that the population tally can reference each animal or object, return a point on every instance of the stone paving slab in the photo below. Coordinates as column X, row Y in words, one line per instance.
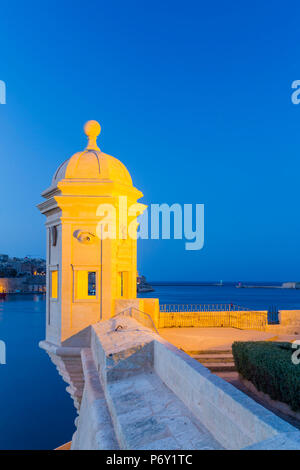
column 149, row 416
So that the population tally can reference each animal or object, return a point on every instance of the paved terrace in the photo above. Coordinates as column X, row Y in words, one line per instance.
column 193, row 339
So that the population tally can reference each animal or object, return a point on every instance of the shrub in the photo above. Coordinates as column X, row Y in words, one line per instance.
column 269, row 366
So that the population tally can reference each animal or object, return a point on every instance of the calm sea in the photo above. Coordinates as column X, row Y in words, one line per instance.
column 257, row 298
column 35, row 410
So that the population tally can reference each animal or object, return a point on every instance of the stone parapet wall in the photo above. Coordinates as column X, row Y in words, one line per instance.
column 278, row 405
column 234, row 419
column 94, row 426
column 148, row 306
column 244, row 319
column 130, row 371
column 290, row 321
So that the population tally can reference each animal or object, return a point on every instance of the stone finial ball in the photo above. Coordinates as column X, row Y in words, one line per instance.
column 92, row 128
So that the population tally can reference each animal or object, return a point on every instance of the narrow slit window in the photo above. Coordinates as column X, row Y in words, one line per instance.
column 91, row 283
column 123, row 284
column 54, row 284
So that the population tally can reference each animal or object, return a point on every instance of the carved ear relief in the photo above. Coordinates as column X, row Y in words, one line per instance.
column 84, row 237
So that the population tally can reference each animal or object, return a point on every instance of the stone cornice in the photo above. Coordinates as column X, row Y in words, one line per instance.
column 48, row 205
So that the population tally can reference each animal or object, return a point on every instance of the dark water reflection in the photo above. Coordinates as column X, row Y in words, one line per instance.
column 35, row 410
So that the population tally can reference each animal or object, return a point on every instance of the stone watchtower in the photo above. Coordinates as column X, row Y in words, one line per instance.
column 91, row 209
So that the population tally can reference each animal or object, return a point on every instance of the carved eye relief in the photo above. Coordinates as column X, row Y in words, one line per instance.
column 84, row 237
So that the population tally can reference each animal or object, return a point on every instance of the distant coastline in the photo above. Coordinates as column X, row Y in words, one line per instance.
column 188, row 283
column 238, row 284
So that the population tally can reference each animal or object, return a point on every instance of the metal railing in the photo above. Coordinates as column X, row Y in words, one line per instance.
column 273, row 315
column 142, row 317
column 231, row 318
column 204, row 315
column 174, row 308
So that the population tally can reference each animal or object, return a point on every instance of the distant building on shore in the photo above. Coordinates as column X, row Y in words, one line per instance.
column 291, row 285
column 15, row 285
column 22, row 275
column 142, row 285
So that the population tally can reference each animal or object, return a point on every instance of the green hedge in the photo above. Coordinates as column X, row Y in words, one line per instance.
column 269, row 366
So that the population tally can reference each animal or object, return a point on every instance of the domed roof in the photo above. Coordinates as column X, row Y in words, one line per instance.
column 91, row 163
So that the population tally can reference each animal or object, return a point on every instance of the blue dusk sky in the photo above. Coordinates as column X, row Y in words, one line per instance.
column 193, row 97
